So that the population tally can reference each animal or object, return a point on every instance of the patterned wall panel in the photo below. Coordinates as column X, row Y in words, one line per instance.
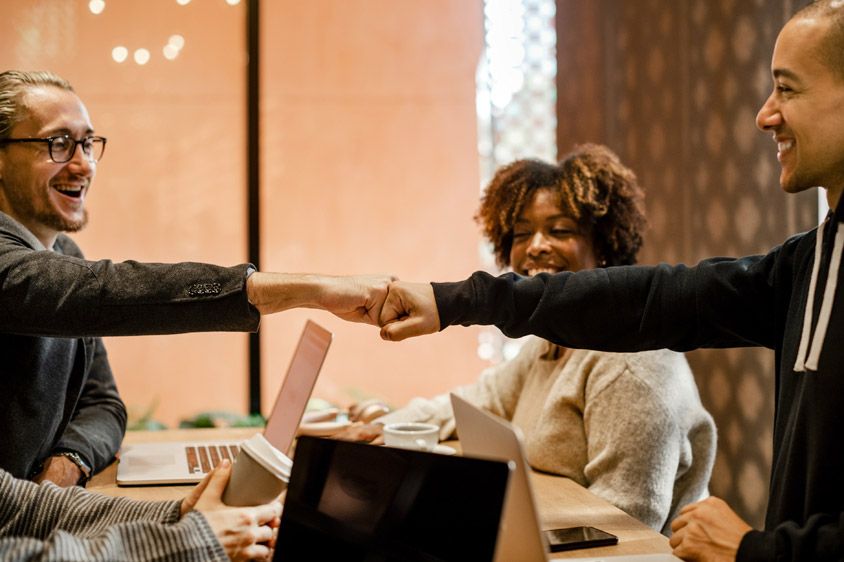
column 683, row 80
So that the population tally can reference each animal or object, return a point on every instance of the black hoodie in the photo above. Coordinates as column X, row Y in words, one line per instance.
column 720, row 302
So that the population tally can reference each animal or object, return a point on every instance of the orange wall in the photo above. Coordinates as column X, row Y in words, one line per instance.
column 369, row 165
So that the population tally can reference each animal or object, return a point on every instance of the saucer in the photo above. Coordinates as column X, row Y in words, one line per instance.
column 444, row 450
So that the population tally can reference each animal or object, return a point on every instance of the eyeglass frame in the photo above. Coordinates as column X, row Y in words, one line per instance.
column 71, row 153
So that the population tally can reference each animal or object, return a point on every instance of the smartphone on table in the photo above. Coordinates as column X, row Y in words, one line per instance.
column 572, row 538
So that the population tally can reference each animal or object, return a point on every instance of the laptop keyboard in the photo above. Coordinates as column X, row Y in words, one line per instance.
column 202, row 458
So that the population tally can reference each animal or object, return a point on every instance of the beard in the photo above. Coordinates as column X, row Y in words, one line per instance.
column 40, row 211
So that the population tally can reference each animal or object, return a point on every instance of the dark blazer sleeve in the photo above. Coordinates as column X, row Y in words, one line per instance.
column 47, row 293
column 97, row 427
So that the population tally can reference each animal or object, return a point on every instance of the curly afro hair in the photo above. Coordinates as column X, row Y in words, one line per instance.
column 592, row 186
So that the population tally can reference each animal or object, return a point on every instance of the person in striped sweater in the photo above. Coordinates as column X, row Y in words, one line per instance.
column 48, row 522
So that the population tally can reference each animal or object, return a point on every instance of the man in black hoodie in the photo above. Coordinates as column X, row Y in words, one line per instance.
column 788, row 300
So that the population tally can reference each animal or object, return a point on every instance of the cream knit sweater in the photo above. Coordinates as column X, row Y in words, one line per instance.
column 628, row 426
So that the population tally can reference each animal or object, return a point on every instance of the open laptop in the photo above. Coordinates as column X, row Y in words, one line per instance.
column 488, row 436
column 185, row 463
column 355, row 502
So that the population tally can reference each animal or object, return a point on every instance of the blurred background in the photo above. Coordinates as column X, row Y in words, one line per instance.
column 380, row 121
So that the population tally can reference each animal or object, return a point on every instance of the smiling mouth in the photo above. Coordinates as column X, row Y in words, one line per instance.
column 531, row 271
column 69, row 190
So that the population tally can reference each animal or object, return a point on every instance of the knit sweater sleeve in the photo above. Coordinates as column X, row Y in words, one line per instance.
column 45, row 521
column 633, row 445
column 497, row 390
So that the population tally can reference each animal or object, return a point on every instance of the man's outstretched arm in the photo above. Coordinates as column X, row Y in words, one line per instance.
column 354, row 298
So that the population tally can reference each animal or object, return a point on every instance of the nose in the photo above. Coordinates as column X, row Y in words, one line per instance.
column 769, row 116
column 538, row 244
column 80, row 161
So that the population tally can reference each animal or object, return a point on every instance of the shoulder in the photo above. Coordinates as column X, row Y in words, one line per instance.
column 662, row 373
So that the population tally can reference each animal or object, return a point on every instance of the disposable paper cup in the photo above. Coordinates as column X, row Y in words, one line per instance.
column 260, row 473
column 419, row 436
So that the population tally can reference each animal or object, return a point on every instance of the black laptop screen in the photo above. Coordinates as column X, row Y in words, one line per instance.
column 350, row 501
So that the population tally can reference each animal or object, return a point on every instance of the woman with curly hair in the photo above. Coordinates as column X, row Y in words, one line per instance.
column 630, row 427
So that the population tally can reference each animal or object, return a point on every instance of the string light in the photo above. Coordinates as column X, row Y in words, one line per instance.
column 141, row 56
column 119, row 53
column 96, row 6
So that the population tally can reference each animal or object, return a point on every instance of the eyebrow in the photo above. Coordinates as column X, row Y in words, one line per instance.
column 65, row 131
column 785, row 73
column 551, row 218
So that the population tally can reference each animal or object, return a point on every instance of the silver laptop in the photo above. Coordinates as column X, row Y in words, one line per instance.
column 186, row 463
column 488, row 436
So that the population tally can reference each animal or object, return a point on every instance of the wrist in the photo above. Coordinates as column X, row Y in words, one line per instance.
column 85, row 471
column 275, row 292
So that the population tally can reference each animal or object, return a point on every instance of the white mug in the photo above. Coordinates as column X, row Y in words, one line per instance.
column 409, row 435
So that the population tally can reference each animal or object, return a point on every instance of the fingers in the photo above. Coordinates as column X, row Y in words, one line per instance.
column 402, row 329
column 254, row 552
column 190, row 501
column 217, row 481
column 410, row 310
column 267, row 513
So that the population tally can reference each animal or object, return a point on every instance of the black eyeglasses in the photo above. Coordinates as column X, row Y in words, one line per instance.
column 63, row 147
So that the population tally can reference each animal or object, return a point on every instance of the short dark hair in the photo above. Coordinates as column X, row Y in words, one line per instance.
column 592, row 186
column 832, row 46
column 13, row 84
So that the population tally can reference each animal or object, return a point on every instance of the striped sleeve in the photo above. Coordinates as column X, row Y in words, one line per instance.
column 45, row 521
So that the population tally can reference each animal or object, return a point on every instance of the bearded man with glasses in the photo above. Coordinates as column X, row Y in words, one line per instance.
column 62, row 417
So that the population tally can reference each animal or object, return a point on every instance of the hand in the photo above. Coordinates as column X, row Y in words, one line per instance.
column 410, row 310
column 368, row 410
column 708, row 531
column 59, row 470
column 241, row 530
column 365, row 432
column 353, row 298
column 356, row 298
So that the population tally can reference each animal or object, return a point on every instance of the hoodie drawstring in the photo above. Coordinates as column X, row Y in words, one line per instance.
column 810, row 363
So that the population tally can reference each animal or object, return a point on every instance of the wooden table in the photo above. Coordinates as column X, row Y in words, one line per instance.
column 561, row 502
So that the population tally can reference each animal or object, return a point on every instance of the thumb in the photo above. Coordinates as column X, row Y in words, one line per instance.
column 399, row 330
column 219, row 480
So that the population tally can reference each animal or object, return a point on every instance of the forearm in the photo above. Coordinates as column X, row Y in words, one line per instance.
column 188, row 540
column 276, row 292
column 820, row 539
column 73, row 524
column 632, row 308
column 99, row 422
column 633, row 470
column 49, row 294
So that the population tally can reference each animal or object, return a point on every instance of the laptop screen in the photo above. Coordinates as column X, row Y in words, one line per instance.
column 351, row 501
column 298, row 384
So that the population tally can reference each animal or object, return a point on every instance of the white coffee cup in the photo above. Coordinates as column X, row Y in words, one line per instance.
column 259, row 474
column 411, row 435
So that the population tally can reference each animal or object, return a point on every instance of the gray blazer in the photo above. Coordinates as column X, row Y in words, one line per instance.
column 58, row 389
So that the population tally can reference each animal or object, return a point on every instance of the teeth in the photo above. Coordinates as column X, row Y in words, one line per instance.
column 784, row 146
column 70, row 188
column 542, row 270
